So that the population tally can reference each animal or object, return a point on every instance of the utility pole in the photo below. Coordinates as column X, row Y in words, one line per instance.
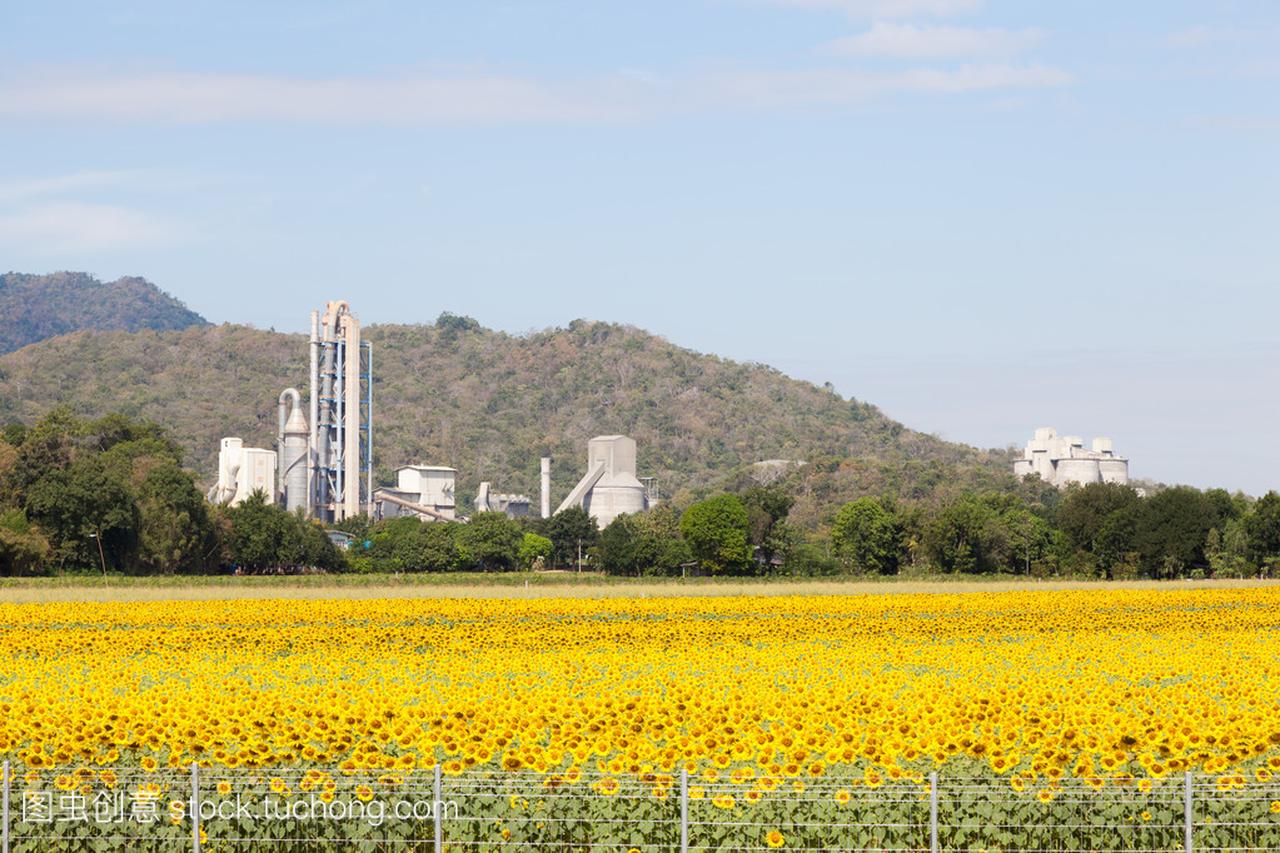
column 98, row 538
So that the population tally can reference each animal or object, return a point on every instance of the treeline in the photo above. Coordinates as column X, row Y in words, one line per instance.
column 111, row 495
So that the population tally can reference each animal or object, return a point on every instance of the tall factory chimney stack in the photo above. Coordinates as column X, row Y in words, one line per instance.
column 342, row 423
column 546, row 487
column 313, row 392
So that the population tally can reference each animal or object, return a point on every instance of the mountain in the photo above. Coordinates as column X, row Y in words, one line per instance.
column 38, row 307
column 490, row 403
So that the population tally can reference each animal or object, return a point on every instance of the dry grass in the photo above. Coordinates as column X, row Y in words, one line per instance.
column 33, row 593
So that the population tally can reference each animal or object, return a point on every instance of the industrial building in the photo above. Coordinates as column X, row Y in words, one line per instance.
column 321, row 465
column 1062, row 460
column 243, row 471
column 426, row 491
column 610, row 486
column 487, row 500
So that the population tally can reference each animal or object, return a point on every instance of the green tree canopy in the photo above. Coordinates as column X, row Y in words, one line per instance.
column 717, row 531
column 865, row 537
column 491, row 541
column 569, row 530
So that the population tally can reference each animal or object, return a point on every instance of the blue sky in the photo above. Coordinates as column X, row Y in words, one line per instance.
column 981, row 216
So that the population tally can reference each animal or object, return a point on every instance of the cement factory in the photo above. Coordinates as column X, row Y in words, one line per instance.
column 322, row 463
column 1062, row 460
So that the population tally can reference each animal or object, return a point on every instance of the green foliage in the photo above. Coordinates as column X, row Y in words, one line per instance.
column 265, row 537
column 624, row 548
column 986, row 533
column 491, row 541
column 865, row 537
column 648, row 543
column 409, row 545
column 717, row 531
column 571, row 531
column 1172, row 529
column 1263, row 528
column 767, row 509
column 36, row 307
column 1086, row 512
column 535, row 551
column 23, row 550
column 176, row 532
column 89, row 513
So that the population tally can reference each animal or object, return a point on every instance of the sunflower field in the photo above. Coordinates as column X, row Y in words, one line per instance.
column 1051, row 720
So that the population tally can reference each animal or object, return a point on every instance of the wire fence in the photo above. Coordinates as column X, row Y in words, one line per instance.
column 222, row 809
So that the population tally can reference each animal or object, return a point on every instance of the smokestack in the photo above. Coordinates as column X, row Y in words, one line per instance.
column 546, row 487
column 314, row 391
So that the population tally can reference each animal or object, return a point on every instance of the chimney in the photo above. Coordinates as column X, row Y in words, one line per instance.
column 546, row 487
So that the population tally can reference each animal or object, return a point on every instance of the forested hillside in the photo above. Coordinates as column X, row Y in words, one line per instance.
column 490, row 403
column 38, row 307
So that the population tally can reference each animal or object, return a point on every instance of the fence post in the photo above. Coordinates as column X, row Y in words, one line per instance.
column 1187, row 823
column 437, row 807
column 195, row 807
column 684, row 810
column 6, row 807
column 933, row 812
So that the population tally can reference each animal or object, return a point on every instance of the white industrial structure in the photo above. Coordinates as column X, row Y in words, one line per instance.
column 426, row 491
column 324, row 462
column 293, row 441
column 487, row 500
column 341, row 471
column 1062, row 460
column 546, row 487
column 243, row 471
column 610, row 487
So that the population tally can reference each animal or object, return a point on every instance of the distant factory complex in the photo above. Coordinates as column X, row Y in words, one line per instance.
column 322, row 465
column 1062, row 460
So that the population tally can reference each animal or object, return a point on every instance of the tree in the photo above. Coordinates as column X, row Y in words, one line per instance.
column 535, row 550
column 88, row 512
column 175, row 529
column 1172, row 529
column 491, row 540
column 717, row 531
column 1030, row 539
column 767, row 509
column 865, row 537
column 268, row 537
column 45, row 448
column 666, row 551
column 1262, row 526
column 624, row 546
column 408, row 544
column 570, row 530
column 1086, row 511
column 23, row 549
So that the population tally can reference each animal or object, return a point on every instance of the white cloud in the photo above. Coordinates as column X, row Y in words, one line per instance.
column 63, row 184
column 190, row 98
column 1200, row 36
column 873, row 9
column 907, row 41
column 833, row 86
column 166, row 98
column 82, row 227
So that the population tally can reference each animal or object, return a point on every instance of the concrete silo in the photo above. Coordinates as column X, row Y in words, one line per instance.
column 293, row 442
column 610, row 487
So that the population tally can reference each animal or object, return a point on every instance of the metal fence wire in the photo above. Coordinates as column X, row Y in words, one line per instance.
column 223, row 809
